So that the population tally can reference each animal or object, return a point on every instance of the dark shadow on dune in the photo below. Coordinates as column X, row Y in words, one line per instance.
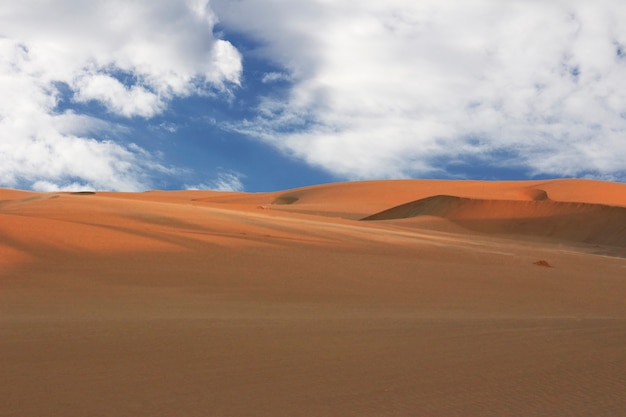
column 536, row 194
column 286, row 199
column 83, row 193
column 577, row 222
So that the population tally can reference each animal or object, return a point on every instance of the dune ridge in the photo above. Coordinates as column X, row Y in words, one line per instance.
column 540, row 217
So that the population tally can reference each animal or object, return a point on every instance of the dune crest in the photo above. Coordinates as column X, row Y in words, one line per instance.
column 539, row 217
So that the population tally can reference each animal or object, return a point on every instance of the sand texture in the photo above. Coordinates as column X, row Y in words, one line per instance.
column 376, row 298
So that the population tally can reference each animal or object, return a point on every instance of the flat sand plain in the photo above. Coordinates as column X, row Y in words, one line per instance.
column 377, row 298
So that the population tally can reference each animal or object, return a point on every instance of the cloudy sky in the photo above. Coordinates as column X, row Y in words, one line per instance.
column 260, row 95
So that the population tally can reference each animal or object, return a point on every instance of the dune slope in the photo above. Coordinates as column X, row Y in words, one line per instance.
column 472, row 299
column 540, row 217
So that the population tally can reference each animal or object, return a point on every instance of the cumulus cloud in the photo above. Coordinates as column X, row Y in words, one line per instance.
column 407, row 88
column 126, row 101
column 130, row 57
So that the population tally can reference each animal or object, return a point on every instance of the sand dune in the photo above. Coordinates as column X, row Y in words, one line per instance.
column 453, row 298
column 369, row 197
column 540, row 217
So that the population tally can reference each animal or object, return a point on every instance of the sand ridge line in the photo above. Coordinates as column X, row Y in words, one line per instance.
column 578, row 222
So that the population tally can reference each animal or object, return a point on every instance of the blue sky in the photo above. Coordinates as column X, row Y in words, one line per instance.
column 261, row 95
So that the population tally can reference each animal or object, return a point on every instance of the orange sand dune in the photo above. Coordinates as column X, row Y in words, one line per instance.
column 580, row 222
column 368, row 197
column 454, row 298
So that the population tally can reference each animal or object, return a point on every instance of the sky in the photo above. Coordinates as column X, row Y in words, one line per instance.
column 264, row 95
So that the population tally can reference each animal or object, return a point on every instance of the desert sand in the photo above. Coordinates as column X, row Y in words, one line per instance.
column 376, row 298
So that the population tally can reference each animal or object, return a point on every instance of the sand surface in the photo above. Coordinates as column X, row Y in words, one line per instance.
column 380, row 298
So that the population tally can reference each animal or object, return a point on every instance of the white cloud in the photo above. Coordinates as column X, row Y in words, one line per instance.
column 225, row 181
column 272, row 77
column 132, row 57
column 125, row 101
column 400, row 88
column 47, row 186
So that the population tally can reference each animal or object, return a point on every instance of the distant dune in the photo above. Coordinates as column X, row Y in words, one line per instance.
column 578, row 222
column 373, row 298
